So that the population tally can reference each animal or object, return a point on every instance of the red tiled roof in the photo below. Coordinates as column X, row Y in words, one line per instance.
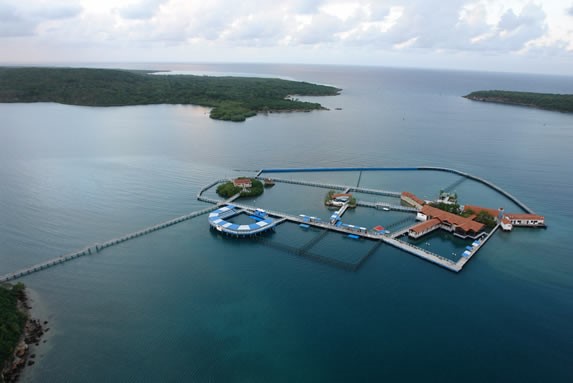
column 242, row 181
column 465, row 224
column 413, row 197
column 420, row 228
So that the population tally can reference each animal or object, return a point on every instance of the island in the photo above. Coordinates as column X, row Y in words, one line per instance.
column 547, row 101
column 231, row 98
column 243, row 186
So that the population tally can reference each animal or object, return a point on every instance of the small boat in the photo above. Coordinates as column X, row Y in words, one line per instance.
column 385, row 209
column 268, row 182
column 219, row 228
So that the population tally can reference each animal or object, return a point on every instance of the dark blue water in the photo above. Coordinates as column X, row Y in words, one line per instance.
column 184, row 304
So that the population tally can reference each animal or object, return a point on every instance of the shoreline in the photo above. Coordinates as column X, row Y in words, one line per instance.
column 33, row 335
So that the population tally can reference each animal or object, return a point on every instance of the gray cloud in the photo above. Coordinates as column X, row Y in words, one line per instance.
column 514, row 31
column 569, row 10
column 20, row 20
column 56, row 12
column 144, row 9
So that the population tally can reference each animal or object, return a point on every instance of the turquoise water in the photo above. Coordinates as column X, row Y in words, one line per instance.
column 185, row 304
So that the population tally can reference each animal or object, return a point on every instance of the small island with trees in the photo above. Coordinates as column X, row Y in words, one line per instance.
column 547, row 101
column 232, row 98
column 245, row 187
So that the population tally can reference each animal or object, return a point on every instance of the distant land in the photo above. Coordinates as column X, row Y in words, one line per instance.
column 232, row 98
column 548, row 101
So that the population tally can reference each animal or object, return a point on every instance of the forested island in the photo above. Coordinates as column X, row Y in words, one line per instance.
column 232, row 98
column 252, row 188
column 548, row 101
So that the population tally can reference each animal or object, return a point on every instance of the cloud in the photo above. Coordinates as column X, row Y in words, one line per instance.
column 514, row 31
column 22, row 19
column 320, row 29
column 142, row 10
column 302, row 27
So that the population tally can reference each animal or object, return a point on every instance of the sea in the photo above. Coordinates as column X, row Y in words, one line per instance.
column 185, row 304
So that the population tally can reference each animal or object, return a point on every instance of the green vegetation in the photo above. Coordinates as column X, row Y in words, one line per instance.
column 256, row 189
column 467, row 213
column 486, row 218
column 482, row 217
column 557, row 102
column 329, row 196
column 12, row 320
column 352, row 202
column 227, row 190
column 232, row 98
column 450, row 208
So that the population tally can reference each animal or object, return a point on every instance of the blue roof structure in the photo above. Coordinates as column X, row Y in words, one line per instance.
column 217, row 220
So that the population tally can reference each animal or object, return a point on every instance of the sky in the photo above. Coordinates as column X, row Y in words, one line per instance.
column 491, row 35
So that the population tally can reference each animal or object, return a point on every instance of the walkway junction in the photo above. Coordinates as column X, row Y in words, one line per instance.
column 222, row 212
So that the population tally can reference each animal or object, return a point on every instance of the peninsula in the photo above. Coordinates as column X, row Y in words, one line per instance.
column 232, row 98
column 547, row 101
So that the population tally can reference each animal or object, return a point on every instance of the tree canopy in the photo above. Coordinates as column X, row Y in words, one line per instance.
column 549, row 101
column 232, row 98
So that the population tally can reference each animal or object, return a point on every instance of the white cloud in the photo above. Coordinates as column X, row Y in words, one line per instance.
column 291, row 29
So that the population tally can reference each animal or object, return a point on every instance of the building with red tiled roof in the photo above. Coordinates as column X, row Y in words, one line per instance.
column 452, row 222
column 424, row 228
column 506, row 224
column 242, row 182
column 412, row 200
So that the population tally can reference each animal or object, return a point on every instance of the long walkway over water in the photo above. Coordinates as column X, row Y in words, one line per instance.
column 434, row 168
column 389, row 239
column 97, row 247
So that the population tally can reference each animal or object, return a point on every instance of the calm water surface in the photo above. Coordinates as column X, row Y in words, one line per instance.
column 183, row 304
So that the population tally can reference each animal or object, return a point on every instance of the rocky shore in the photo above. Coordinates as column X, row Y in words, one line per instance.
column 24, row 354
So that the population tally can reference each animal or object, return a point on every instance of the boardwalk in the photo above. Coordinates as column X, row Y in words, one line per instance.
column 97, row 247
column 435, row 168
column 382, row 205
column 412, row 249
column 343, row 188
column 282, row 217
